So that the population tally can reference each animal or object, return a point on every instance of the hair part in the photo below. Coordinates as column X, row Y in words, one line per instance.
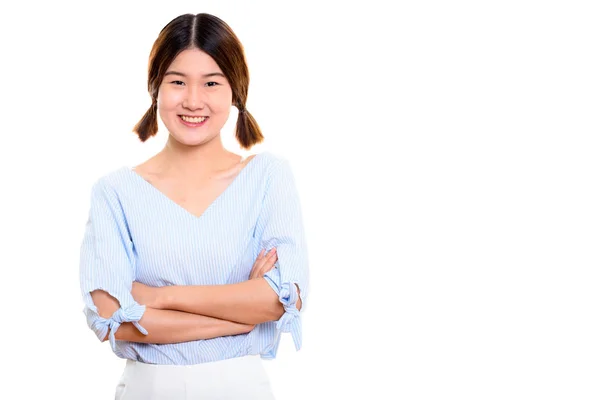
column 213, row 36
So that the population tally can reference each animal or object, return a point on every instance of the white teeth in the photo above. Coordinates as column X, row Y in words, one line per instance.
column 193, row 120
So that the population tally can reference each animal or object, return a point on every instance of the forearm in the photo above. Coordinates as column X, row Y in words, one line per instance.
column 167, row 326
column 250, row 302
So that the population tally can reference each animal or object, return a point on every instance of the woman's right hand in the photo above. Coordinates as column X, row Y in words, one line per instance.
column 263, row 264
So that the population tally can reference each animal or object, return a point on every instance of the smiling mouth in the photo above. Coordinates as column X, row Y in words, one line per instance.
column 193, row 120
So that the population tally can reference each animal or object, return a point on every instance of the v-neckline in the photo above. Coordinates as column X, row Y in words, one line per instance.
column 212, row 203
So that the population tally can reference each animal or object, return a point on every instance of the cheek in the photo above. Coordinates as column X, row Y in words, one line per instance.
column 168, row 100
column 167, row 104
column 222, row 105
column 223, row 99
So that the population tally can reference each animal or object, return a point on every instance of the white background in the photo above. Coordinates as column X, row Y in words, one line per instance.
column 447, row 156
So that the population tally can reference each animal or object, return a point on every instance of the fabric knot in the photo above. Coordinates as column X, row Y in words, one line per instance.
column 288, row 295
column 132, row 313
column 284, row 324
column 125, row 314
column 290, row 320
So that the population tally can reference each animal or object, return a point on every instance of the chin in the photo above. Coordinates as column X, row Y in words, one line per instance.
column 192, row 140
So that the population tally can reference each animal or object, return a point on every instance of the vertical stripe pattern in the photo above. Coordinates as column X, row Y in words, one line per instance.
column 136, row 233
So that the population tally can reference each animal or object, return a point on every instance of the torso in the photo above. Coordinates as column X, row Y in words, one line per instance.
column 166, row 245
column 197, row 196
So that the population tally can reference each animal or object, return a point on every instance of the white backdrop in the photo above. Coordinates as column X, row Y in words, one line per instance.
column 447, row 156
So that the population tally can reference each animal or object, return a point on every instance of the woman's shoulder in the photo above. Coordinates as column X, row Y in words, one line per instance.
column 115, row 179
column 270, row 160
column 275, row 169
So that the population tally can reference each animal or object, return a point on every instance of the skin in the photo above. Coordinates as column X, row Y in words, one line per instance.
column 193, row 169
column 251, row 302
column 171, row 326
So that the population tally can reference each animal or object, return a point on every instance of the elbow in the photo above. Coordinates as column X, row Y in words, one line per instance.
column 271, row 312
column 105, row 303
column 285, row 298
column 279, row 309
column 299, row 301
column 277, row 312
column 109, row 315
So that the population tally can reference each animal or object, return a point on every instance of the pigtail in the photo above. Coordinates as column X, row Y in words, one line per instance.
column 148, row 125
column 247, row 131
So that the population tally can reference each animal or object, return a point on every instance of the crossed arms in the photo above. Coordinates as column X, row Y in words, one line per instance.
column 182, row 313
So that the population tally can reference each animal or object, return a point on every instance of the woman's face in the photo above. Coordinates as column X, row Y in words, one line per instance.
column 194, row 98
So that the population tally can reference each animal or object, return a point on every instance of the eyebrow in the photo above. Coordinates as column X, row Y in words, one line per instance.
column 204, row 76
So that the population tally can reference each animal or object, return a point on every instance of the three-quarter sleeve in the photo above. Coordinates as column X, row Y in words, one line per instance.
column 280, row 225
column 107, row 263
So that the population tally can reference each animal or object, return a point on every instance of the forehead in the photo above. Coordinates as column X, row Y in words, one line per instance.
column 194, row 62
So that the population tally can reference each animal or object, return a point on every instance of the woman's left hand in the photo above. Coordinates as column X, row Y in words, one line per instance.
column 145, row 295
column 264, row 263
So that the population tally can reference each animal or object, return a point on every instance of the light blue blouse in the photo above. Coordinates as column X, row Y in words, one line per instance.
column 136, row 233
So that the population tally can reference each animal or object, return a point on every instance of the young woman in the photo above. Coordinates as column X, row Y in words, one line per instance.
column 195, row 261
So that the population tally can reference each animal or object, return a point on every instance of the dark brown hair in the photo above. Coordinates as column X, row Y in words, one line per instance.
column 214, row 37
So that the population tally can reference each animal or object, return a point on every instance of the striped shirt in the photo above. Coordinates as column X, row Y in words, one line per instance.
column 136, row 233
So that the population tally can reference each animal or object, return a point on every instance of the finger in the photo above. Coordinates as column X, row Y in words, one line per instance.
column 269, row 265
column 272, row 260
column 259, row 259
column 261, row 265
column 254, row 271
column 269, row 259
column 258, row 262
column 266, row 259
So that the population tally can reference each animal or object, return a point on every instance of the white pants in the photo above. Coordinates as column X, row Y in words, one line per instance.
column 236, row 378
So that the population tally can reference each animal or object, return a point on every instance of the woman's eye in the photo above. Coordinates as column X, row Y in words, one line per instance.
column 210, row 84
column 178, row 83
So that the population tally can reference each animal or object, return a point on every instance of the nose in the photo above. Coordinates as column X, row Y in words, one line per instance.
column 195, row 98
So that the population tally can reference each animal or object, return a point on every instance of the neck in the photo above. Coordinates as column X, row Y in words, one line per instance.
column 194, row 160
